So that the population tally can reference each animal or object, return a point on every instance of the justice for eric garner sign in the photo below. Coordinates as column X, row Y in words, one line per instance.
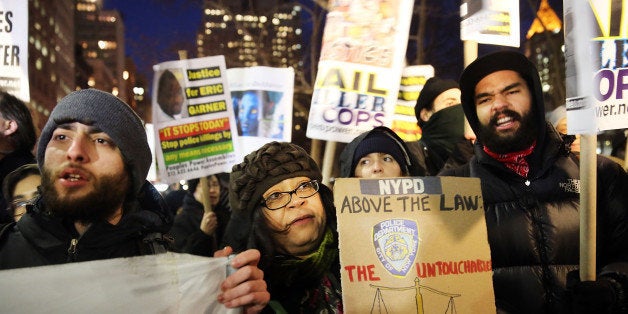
column 413, row 245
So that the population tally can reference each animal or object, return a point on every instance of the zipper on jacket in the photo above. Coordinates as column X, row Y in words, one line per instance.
column 72, row 250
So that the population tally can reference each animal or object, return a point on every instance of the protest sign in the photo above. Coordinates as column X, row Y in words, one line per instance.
column 490, row 22
column 362, row 54
column 194, row 122
column 262, row 102
column 596, row 66
column 413, row 79
column 413, row 245
column 14, row 48
column 163, row 283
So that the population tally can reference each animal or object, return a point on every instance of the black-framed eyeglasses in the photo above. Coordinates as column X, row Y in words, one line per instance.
column 278, row 200
column 15, row 204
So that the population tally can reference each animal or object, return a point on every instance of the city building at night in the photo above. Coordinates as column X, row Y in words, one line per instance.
column 250, row 36
column 100, row 34
column 259, row 34
column 51, row 62
column 545, row 47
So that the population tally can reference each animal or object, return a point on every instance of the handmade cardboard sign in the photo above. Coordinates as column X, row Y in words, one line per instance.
column 413, row 245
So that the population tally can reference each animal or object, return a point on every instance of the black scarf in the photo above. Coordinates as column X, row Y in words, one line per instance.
column 443, row 130
column 289, row 270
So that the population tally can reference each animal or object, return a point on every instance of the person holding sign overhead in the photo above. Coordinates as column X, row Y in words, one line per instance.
column 281, row 208
column 378, row 153
column 530, row 187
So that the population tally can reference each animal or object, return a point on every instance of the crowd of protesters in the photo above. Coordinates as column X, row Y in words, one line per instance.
column 83, row 196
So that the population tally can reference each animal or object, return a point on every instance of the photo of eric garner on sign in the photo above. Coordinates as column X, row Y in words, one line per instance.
column 413, row 244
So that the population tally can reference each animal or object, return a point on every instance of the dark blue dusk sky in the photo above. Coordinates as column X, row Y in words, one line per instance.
column 156, row 29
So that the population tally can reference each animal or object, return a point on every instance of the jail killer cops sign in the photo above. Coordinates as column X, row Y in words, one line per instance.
column 413, row 245
column 359, row 71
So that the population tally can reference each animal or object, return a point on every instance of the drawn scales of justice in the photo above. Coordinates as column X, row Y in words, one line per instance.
column 379, row 305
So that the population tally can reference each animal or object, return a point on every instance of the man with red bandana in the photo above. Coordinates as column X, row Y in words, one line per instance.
column 95, row 201
column 530, row 186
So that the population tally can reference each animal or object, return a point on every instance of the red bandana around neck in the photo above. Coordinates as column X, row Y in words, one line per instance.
column 515, row 161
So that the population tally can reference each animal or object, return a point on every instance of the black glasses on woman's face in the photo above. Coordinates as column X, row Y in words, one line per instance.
column 19, row 203
column 277, row 200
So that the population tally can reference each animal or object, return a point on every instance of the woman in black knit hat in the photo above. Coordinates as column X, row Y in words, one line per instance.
column 378, row 153
column 281, row 208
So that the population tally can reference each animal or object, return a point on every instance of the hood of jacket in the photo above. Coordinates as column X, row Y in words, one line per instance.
column 502, row 60
column 346, row 156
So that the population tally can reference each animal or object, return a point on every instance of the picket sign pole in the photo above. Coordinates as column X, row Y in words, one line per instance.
column 328, row 161
column 207, row 205
column 315, row 151
column 626, row 152
column 588, row 210
column 470, row 51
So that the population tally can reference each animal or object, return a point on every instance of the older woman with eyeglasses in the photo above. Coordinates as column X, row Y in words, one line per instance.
column 280, row 208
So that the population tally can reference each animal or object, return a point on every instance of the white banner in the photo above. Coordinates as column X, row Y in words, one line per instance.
column 194, row 122
column 262, row 102
column 14, row 48
column 164, row 283
column 362, row 56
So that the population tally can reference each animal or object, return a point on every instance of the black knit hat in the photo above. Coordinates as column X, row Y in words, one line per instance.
column 265, row 167
column 109, row 114
column 432, row 88
column 379, row 142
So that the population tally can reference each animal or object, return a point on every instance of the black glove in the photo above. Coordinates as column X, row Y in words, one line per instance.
column 599, row 296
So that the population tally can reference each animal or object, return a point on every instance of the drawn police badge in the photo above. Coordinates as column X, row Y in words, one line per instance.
column 396, row 244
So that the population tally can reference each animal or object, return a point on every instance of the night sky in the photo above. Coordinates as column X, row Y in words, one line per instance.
column 156, row 29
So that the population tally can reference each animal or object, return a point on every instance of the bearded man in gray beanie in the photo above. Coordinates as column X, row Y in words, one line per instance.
column 95, row 201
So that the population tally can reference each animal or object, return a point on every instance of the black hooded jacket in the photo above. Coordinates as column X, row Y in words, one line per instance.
column 533, row 222
column 39, row 239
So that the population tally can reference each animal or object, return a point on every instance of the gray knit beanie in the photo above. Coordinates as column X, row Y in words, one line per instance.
column 265, row 167
column 112, row 116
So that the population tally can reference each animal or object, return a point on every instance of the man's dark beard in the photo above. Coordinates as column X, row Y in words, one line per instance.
column 520, row 140
column 100, row 204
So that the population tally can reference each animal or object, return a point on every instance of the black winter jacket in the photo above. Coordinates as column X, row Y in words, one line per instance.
column 533, row 225
column 40, row 239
